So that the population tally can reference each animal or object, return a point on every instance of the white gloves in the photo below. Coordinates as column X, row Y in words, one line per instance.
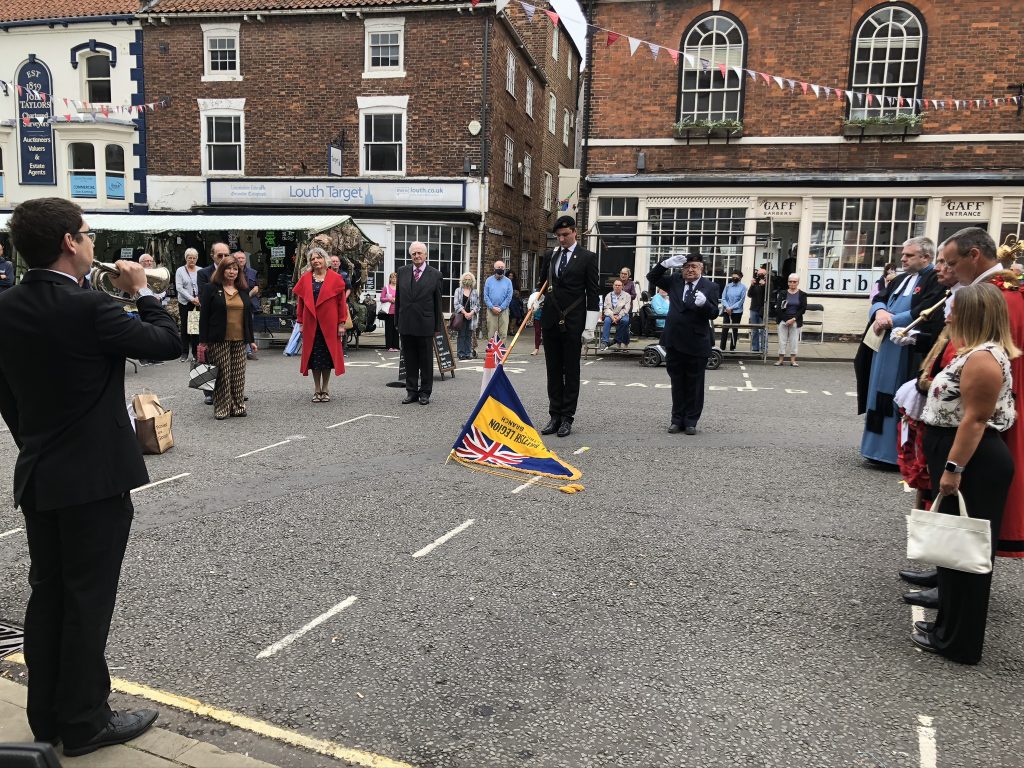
column 674, row 261
column 298, row 327
column 588, row 330
column 699, row 299
column 903, row 340
column 534, row 301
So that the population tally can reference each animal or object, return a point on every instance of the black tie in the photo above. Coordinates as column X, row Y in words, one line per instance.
column 688, row 293
column 563, row 261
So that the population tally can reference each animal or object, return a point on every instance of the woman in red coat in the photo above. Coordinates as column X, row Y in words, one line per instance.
column 320, row 314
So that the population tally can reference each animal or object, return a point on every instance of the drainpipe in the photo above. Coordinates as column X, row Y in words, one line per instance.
column 484, row 182
column 584, row 209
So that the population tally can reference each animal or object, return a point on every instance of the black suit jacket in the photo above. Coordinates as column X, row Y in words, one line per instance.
column 213, row 314
column 203, row 277
column 418, row 302
column 575, row 293
column 687, row 327
column 62, row 359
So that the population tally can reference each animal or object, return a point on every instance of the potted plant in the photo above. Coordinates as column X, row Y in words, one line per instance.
column 883, row 125
column 710, row 129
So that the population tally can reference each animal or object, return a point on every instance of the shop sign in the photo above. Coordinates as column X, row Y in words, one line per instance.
column 780, row 209
column 311, row 192
column 841, row 282
column 278, row 253
column 35, row 138
column 964, row 209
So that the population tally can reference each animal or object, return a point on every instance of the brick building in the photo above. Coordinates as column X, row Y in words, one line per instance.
column 828, row 186
column 425, row 121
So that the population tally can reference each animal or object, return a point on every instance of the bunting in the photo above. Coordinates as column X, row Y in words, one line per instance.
column 78, row 104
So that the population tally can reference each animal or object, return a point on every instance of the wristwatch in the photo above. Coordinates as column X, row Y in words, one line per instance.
column 952, row 466
column 142, row 292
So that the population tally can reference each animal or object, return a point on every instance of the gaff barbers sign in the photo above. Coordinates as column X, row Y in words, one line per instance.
column 35, row 134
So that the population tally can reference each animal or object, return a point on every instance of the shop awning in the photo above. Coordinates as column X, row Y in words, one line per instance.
column 148, row 223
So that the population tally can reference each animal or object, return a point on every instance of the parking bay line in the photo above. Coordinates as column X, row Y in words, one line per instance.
column 161, row 482
column 527, row 484
column 264, row 448
column 10, row 532
column 438, row 542
column 245, row 723
column 284, row 642
column 357, row 418
column 927, row 750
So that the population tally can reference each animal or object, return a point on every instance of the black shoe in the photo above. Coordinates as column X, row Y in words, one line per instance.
column 424, row 399
column 122, row 727
column 566, row 429
column 926, row 579
column 183, row 359
column 675, row 429
column 551, row 427
column 411, row 399
column 924, row 626
column 208, row 399
column 926, row 598
column 920, row 639
column 245, row 398
column 690, row 430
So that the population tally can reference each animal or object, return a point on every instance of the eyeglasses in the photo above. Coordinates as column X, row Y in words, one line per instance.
column 90, row 234
column 793, row 282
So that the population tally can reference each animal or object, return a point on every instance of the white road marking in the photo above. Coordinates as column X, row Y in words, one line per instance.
column 825, row 392
column 578, row 451
column 591, row 362
column 264, row 448
column 10, row 532
column 161, row 482
column 357, row 418
column 928, row 753
column 527, row 484
column 284, row 642
column 746, row 375
column 438, row 542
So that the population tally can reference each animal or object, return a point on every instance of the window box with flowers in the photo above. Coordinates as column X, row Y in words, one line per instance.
column 887, row 125
column 708, row 129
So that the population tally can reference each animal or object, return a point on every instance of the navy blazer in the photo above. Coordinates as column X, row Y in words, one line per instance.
column 688, row 327
column 579, row 285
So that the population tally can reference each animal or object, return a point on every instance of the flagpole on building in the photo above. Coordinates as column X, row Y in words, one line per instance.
column 522, row 325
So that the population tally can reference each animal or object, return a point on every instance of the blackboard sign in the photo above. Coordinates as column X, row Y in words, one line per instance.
column 35, row 133
column 443, row 353
column 401, row 366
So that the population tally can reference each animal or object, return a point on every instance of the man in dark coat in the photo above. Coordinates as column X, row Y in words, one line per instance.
column 419, row 317
column 572, row 303
column 692, row 305
column 62, row 395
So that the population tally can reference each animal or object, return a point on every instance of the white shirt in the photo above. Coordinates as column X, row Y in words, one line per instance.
column 988, row 273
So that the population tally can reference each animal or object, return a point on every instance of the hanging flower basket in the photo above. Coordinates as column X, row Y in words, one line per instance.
column 900, row 125
column 708, row 129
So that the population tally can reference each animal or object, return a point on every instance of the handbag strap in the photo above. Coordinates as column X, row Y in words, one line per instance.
column 960, row 501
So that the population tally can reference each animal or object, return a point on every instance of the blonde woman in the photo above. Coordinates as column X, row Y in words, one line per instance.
column 387, row 296
column 320, row 314
column 970, row 403
column 186, row 282
column 466, row 302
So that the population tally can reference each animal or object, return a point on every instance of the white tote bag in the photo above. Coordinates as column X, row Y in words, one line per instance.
column 950, row 541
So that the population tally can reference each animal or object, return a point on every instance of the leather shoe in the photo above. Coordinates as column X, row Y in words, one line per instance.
column 411, row 399
column 551, row 427
column 690, row 430
column 920, row 639
column 926, row 598
column 208, row 399
column 122, row 727
column 675, row 429
column 566, row 429
column 926, row 579
column 925, row 627
column 424, row 399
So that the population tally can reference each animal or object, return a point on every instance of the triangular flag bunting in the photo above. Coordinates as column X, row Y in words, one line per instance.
column 828, row 92
column 529, row 9
column 753, row 75
column 553, row 16
column 724, row 71
column 633, row 45
column 778, row 81
column 500, row 5
column 654, row 50
column 612, row 37
column 767, row 78
column 674, row 54
column 804, row 87
column 739, row 72
column 705, row 65
column 817, row 90
column 870, row 99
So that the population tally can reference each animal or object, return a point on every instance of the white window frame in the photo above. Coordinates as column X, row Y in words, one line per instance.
column 527, row 174
column 529, row 96
column 372, row 27
column 554, row 44
column 3, row 178
column 705, row 93
column 568, row 66
column 566, row 121
column 221, row 29
column 510, row 161
column 220, row 108
column 122, row 174
column 548, row 187
column 879, row 54
column 552, row 112
column 383, row 105
column 510, row 72
column 83, row 65
column 76, row 171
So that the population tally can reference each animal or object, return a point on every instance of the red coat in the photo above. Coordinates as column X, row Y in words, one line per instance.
column 1011, row 533
column 328, row 313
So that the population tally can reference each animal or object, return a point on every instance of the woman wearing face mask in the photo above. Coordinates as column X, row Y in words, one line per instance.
column 733, row 297
column 467, row 303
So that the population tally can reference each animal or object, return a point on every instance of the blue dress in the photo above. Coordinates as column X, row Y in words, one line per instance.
column 320, row 357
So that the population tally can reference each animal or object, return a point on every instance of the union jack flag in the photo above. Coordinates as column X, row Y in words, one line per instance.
column 478, row 447
column 497, row 346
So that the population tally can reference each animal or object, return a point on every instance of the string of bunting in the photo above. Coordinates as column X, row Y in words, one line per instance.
column 104, row 109
column 857, row 98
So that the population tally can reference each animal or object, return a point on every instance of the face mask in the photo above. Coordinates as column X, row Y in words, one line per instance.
column 499, row 272
column 467, row 283
column 734, row 279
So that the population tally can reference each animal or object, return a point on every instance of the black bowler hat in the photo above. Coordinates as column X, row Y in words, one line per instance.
column 564, row 221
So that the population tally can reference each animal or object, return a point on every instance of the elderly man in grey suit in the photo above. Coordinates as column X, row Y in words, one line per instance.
column 418, row 312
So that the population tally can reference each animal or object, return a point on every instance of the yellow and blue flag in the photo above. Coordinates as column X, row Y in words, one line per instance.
column 499, row 434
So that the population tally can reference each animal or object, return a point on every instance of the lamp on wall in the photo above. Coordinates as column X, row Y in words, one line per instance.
column 641, row 161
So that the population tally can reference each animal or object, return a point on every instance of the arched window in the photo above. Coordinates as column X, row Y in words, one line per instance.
column 97, row 78
column 707, row 93
column 887, row 55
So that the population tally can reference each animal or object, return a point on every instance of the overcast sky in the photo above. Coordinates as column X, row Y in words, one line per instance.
column 572, row 16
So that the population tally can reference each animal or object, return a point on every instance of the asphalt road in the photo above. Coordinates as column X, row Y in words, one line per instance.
column 725, row 599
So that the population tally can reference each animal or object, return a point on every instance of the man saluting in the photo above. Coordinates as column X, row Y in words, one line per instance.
column 572, row 303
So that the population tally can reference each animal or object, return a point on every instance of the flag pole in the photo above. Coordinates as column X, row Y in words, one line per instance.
column 522, row 325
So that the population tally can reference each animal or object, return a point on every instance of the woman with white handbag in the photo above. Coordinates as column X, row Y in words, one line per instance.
column 969, row 404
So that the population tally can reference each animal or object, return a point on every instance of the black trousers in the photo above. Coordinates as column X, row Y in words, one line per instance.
column 562, row 358
column 959, row 631
column 418, row 352
column 390, row 332
column 76, row 555
column 187, row 342
column 735, row 319
column 686, row 373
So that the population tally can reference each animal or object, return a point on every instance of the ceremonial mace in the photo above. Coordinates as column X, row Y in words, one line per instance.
column 925, row 314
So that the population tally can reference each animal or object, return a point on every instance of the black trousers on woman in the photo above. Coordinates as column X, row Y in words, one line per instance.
column 187, row 342
column 390, row 333
column 959, row 632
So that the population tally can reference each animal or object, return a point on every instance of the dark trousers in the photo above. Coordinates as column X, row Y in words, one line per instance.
column 959, row 631
column 187, row 342
column 76, row 555
column 734, row 319
column 562, row 358
column 390, row 333
column 686, row 373
column 418, row 352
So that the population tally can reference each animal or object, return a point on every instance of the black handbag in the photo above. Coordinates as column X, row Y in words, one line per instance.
column 456, row 320
column 382, row 315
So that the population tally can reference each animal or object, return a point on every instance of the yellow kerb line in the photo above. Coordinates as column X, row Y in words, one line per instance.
column 259, row 727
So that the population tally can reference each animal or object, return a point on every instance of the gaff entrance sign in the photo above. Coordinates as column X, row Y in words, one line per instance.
column 35, row 133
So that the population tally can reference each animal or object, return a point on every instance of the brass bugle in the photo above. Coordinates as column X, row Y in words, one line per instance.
column 924, row 315
column 157, row 279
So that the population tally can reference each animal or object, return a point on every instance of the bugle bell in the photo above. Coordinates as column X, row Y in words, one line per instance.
column 157, row 279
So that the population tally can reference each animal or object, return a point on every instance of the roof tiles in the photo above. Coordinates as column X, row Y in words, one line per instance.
column 227, row 6
column 30, row 10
